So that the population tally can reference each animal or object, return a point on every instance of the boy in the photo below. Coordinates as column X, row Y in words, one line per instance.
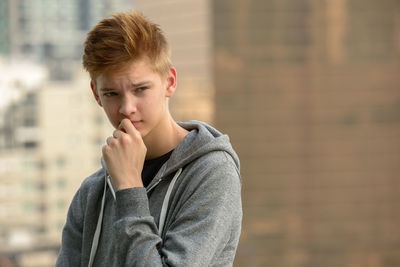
column 168, row 194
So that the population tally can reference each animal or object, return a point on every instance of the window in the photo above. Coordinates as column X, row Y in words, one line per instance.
column 60, row 161
column 28, row 185
column 30, row 144
column 61, row 205
column 61, row 183
column 28, row 207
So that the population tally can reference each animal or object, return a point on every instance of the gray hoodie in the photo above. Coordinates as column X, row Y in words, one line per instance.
column 202, row 223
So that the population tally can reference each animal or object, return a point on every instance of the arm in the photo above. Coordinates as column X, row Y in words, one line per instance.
column 70, row 252
column 206, row 229
column 206, row 221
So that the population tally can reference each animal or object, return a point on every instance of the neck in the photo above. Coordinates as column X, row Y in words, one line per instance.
column 164, row 138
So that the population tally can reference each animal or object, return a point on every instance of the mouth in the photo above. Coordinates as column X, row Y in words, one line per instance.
column 136, row 123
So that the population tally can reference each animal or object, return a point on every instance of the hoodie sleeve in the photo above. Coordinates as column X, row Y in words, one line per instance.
column 71, row 246
column 205, row 223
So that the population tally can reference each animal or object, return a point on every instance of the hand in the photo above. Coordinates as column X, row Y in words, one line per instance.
column 124, row 155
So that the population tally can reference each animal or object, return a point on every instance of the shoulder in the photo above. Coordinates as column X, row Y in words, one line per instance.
column 212, row 184
column 216, row 170
column 91, row 186
column 93, row 181
column 220, row 161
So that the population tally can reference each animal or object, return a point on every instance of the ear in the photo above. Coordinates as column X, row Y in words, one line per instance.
column 171, row 82
column 95, row 94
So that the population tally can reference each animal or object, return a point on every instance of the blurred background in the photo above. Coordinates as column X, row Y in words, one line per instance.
column 308, row 91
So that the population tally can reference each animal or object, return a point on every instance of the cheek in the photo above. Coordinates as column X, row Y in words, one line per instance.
column 147, row 104
column 158, row 105
column 111, row 107
column 151, row 105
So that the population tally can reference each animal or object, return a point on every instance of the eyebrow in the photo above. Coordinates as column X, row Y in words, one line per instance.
column 132, row 85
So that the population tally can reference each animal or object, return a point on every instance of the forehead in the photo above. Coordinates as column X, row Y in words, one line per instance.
column 132, row 72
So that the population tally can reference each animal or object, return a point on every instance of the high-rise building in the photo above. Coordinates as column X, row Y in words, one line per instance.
column 187, row 25
column 51, row 32
column 4, row 27
column 309, row 93
column 55, row 134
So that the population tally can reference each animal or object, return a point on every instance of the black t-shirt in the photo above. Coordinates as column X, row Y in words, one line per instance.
column 151, row 167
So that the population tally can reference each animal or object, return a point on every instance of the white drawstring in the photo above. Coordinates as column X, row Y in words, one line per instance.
column 98, row 228
column 164, row 207
column 163, row 212
column 111, row 187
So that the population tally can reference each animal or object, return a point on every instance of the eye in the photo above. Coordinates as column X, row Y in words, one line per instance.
column 141, row 89
column 109, row 94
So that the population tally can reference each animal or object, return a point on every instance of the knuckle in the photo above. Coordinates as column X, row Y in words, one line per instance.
column 125, row 139
column 105, row 149
column 124, row 122
column 137, row 135
column 109, row 140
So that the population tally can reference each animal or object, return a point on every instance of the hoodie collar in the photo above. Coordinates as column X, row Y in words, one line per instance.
column 201, row 139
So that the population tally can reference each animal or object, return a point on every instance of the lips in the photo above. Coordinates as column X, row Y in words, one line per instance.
column 136, row 123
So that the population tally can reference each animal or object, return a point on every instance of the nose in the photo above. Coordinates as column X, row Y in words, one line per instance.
column 128, row 105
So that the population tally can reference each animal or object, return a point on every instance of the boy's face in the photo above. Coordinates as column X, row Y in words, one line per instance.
column 135, row 92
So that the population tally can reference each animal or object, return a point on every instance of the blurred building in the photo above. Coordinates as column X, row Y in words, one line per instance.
column 53, row 139
column 309, row 93
column 51, row 32
column 4, row 28
column 307, row 90
column 188, row 27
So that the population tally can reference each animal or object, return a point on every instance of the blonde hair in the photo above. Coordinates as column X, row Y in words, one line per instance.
column 123, row 38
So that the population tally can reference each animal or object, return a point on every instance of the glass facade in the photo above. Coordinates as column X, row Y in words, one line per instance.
column 308, row 92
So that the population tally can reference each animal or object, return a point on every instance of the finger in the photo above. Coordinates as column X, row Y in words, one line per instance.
column 105, row 149
column 110, row 140
column 117, row 134
column 128, row 127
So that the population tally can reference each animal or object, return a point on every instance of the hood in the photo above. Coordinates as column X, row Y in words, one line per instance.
column 202, row 139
